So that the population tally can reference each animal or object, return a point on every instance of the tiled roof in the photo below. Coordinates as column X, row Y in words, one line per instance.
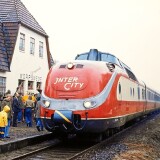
column 10, row 32
column 15, row 11
column 4, row 64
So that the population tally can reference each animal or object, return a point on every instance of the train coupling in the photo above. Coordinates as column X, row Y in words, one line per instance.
column 68, row 120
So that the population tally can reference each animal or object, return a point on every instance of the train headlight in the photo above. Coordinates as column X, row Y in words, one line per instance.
column 89, row 104
column 70, row 65
column 46, row 103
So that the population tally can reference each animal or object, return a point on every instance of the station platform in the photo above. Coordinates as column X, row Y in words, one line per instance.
column 22, row 136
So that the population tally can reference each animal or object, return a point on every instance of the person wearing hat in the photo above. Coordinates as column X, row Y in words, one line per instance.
column 3, row 121
column 8, row 101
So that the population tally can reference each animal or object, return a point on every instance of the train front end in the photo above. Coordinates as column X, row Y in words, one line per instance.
column 74, row 99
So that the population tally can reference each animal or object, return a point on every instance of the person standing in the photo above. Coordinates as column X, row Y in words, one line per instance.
column 3, row 121
column 8, row 101
column 16, row 109
column 39, row 123
column 21, row 112
column 29, row 106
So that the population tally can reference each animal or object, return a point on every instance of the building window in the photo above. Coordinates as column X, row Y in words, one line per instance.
column 40, row 49
column 20, row 88
column 2, row 85
column 22, row 42
column 30, row 85
column 38, row 87
column 32, row 45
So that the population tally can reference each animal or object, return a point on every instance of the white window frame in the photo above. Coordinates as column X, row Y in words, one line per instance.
column 40, row 49
column 30, row 85
column 2, row 85
column 32, row 45
column 22, row 42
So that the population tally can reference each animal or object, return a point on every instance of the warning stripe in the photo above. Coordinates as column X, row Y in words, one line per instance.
column 64, row 117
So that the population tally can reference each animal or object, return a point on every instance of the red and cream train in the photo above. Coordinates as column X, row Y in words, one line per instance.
column 93, row 93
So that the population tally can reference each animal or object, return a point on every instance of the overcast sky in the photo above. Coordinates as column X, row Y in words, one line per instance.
column 129, row 29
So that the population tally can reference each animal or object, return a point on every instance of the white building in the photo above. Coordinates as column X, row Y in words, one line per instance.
column 25, row 58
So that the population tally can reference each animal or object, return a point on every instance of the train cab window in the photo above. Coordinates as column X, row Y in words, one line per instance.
column 109, row 58
column 82, row 57
column 93, row 55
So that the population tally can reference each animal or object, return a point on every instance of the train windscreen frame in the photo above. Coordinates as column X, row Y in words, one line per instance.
column 110, row 58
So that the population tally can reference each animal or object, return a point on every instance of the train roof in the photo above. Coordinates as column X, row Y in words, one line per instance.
column 95, row 55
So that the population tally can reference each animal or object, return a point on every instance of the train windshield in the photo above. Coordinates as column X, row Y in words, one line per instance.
column 95, row 55
column 82, row 57
column 110, row 58
column 92, row 56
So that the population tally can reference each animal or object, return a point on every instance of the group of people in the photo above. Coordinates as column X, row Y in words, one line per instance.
column 19, row 108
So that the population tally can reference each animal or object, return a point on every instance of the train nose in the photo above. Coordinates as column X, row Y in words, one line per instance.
column 68, row 120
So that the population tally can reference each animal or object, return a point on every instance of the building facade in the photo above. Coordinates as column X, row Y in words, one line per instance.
column 25, row 58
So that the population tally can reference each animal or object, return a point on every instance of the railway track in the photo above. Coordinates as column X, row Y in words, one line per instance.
column 54, row 149
column 71, row 149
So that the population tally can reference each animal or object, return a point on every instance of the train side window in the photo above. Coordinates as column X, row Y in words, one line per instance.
column 138, row 92
column 130, row 91
column 147, row 94
column 143, row 94
column 130, row 74
column 119, row 87
column 133, row 92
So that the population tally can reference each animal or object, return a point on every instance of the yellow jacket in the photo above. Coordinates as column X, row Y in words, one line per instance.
column 3, row 116
column 24, row 98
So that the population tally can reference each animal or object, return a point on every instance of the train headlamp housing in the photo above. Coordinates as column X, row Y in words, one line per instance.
column 70, row 65
column 89, row 104
column 46, row 103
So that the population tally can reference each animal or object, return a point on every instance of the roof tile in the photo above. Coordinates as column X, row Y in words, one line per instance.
column 15, row 11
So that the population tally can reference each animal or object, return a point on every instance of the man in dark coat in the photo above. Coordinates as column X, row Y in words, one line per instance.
column 16, row 109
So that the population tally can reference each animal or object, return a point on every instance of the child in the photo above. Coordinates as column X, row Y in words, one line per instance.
column 3, row 121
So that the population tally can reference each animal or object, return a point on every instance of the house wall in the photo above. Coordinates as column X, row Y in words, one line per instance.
column 25, row 66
